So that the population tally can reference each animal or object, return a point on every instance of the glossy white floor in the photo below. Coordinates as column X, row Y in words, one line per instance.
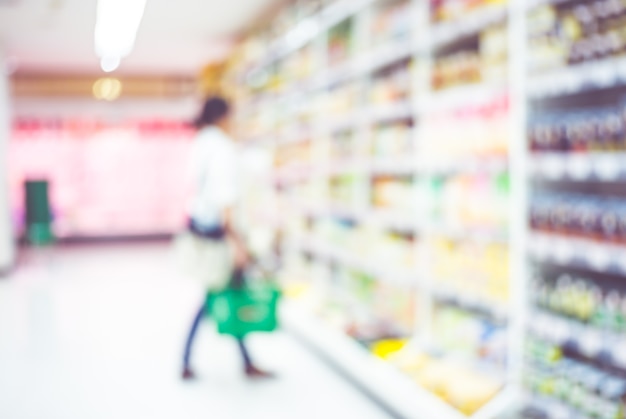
column 97, row 332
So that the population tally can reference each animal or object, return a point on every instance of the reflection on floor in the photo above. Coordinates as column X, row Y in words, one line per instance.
column 97, row 332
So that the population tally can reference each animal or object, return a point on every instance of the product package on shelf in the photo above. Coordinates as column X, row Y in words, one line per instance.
column 341, row 102
column 476, row 203
column 393, row 194
column 392, row 85
column 451, row 10
column 457, row 384
column 343, row 190
column 341, row 42
column 464, row 336
column 392, row 22
column 392, row 140
column 376, row 314
column 480, row 60
column 477, row 273
column 573, row 32
column 465, row 132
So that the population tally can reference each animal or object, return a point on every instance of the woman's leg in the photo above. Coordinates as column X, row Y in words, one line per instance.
column 187, row 373
column 249, row 368
column 245, row 355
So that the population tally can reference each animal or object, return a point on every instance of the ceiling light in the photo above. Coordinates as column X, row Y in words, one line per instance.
column 110, row 64
column 117, row 23
column 107, row 89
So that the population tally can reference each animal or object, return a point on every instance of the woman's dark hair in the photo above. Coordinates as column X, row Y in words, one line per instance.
column 214, row 109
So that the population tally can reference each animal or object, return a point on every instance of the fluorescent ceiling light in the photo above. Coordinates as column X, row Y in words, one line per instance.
column 117, row 23
column 110, row 64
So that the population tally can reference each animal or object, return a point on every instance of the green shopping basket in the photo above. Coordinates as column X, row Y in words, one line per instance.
column 238, row 312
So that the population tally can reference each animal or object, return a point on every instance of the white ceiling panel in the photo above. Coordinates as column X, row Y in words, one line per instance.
column 176, row 36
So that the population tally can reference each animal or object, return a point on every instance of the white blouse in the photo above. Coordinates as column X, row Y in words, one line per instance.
column 214, row 167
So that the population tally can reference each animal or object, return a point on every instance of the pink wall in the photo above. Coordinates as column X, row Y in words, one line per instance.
column 115, row 177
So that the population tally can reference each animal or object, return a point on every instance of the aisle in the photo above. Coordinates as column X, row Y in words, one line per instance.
column 96, row 332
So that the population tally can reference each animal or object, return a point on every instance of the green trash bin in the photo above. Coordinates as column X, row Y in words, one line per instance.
column 238, row 312
column 38, row 214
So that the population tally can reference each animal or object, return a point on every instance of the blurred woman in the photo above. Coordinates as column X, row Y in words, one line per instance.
column 215, row 170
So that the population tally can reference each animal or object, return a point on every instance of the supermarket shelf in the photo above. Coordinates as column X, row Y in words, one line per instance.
column 578, row 166
column 350, row 121
column 387, row 55
column 389, row 386
column 353, row 261
column 390, row 113
column 551, row 407
column 578, row 253
column 388, row 219
column 578, row 78
column 361, row 65
column 589, row 341
column 497, row 311
column 343, row 72
column 399, row 166
column 336, row 210
column 381, row 218
column 456, row 97
column 340, row 10
column 531, row 4
column 464, row 234
column 397, row 392
column 347, row 167
column 309, row 29
column 292, row 173
column 473, row 22
column 488, row 164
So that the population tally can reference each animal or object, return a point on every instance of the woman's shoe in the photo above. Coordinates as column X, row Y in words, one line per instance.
column 188, row 374
column 254, row 372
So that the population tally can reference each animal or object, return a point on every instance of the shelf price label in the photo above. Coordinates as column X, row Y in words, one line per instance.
column 620, row 259
column 579, row 166
column 618, row 351
column 607, row 167
column 599, row 257
column 553, row 167
column 564, row 251
column 539, row 247
column 590, row 341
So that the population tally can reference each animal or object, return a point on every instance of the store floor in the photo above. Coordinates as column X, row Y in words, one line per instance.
column 97, row 332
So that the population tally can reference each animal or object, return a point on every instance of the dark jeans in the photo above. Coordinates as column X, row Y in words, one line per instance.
column 216, row 233
column 247, row 362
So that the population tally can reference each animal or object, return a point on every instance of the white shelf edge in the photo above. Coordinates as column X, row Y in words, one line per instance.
column 391, row 112
column 578, row 166
column 471, row 23
column 358, row 263
column 386, row 55
column 490, row 165
column 498, row 311
column 571, row 80
column 583, row 253
column 531, row 4
column 397, row 391
column 463, row 234
column 393, row 166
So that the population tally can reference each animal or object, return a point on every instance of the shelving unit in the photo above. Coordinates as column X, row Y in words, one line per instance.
column 354, row 148
column 583, row 334
column 556, row 128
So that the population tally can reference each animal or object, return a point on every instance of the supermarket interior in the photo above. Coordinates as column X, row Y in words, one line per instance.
column 437, row 185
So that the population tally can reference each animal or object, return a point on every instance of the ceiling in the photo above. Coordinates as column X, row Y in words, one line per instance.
column 175, row 37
